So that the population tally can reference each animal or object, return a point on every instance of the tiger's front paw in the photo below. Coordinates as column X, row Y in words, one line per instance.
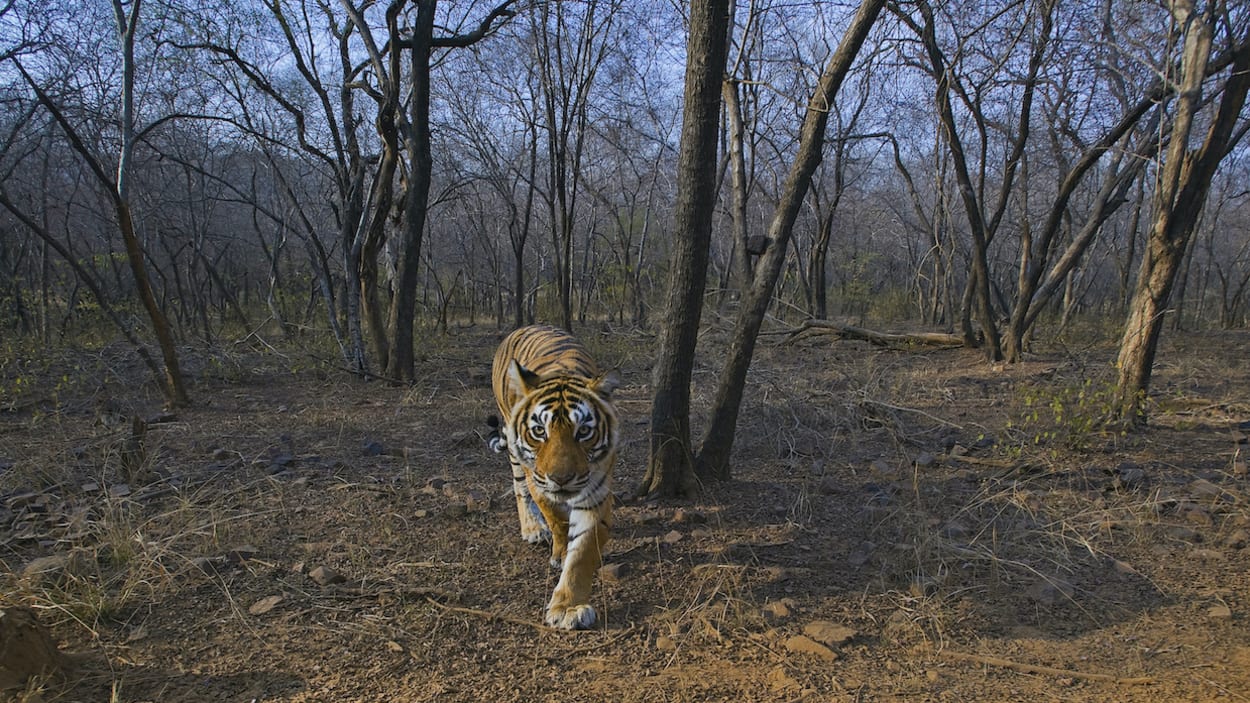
column 577, row 617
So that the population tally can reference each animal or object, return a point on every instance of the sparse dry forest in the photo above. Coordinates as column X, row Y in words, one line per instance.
column 931, row 318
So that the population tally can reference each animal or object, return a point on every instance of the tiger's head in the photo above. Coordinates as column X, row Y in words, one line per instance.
column 563, row 428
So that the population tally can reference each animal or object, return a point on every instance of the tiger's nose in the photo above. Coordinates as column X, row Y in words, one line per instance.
column 563, row 478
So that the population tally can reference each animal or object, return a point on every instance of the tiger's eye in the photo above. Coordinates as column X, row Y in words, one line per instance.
column 584, row 432
column 539, row 432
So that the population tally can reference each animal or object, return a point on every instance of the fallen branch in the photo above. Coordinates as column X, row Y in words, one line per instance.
column 1049, row 671
column 880, row 339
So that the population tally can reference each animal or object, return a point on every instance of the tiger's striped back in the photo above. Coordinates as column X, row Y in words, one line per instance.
column 545, row 352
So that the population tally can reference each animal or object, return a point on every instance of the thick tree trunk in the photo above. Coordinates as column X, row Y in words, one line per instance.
column 1183, row 183
column 670, row 469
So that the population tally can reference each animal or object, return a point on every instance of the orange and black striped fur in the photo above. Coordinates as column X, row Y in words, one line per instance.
column 560, row 432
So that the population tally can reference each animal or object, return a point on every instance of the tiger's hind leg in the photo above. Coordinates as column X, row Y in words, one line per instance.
column 533, row 526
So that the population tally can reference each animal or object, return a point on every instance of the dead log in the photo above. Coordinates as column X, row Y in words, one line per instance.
column 894, row 340
column 26, row 648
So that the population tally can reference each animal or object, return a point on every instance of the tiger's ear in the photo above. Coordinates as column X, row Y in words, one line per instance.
column 520, row 380
column 605, row 383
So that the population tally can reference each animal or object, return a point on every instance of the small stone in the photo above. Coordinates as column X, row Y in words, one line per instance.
column 665, row 644
column 801, row 644
column 1204, row 490
column 49, row 569
column 324, row 576
column 925, row 460
column 1238, row 539
column 434, row 486
column 264, row 605
column 241, row 554
column 221, row 454
column 778, row 610
column 1219, row 611
column 779, row 681
column 372, row 448
column 1129, row 477
column 455, row 510
column 829, row 633
column 932, row 675
column 612, row 573
column 673, row 537
column 1184, row 534
column 681, row 515
column 476, row 501
column 421, row 512
column 393, row 646
column 119, row 490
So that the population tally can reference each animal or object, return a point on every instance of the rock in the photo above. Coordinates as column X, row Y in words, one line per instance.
column 434, row 486
column 673, row 537
column 476, row 501
column 1184, row 534
column 801, row 644
column 683, row 516
column 1203, row 490
column 779, row 609
column 1237, row 539
column 1129, row 477
column 264, row 605
column 779, row 681
column 393, row 646
column 1197, row 516
column 612, row 573
column 325, row 576
column 372, row 448
column 925, row 460
column 52, row 568
column 119, row 490
column 829, row 633
column 665, row 644
column 1219, row 611
column 241, row 553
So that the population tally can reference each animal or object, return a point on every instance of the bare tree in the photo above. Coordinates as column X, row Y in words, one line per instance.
column 118, row 185
column 1181, row 187
column 670, row 467
column 713, row 458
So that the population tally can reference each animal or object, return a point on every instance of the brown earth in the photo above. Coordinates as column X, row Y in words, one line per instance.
column 903, row 526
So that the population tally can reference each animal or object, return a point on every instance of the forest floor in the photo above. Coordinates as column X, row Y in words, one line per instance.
column 909, row 525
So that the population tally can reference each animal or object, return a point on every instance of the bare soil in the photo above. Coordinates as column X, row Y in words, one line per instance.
column 902, row 526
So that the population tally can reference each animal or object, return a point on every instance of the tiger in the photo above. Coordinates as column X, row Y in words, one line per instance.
column 559, row 430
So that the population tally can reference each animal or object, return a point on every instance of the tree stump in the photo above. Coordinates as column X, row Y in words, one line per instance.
column 26, row 648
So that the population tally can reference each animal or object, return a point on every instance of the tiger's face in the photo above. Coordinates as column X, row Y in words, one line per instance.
column 563, row 430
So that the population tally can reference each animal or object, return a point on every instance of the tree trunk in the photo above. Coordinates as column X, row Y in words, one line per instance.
column 670, row 469
column 1183, row 183
column 713, row 459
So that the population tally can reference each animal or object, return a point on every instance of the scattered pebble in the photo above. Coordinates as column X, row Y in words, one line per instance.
column 829, row 633
column 801, row 644
column 324, row 576
column 264, row 605
column 612, row 573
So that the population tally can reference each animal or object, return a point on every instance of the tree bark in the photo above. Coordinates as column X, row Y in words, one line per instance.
column 670, row 469
column 713, row 458
column 1183, row 183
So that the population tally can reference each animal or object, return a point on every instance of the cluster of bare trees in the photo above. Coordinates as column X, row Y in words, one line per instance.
column 361, row 169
